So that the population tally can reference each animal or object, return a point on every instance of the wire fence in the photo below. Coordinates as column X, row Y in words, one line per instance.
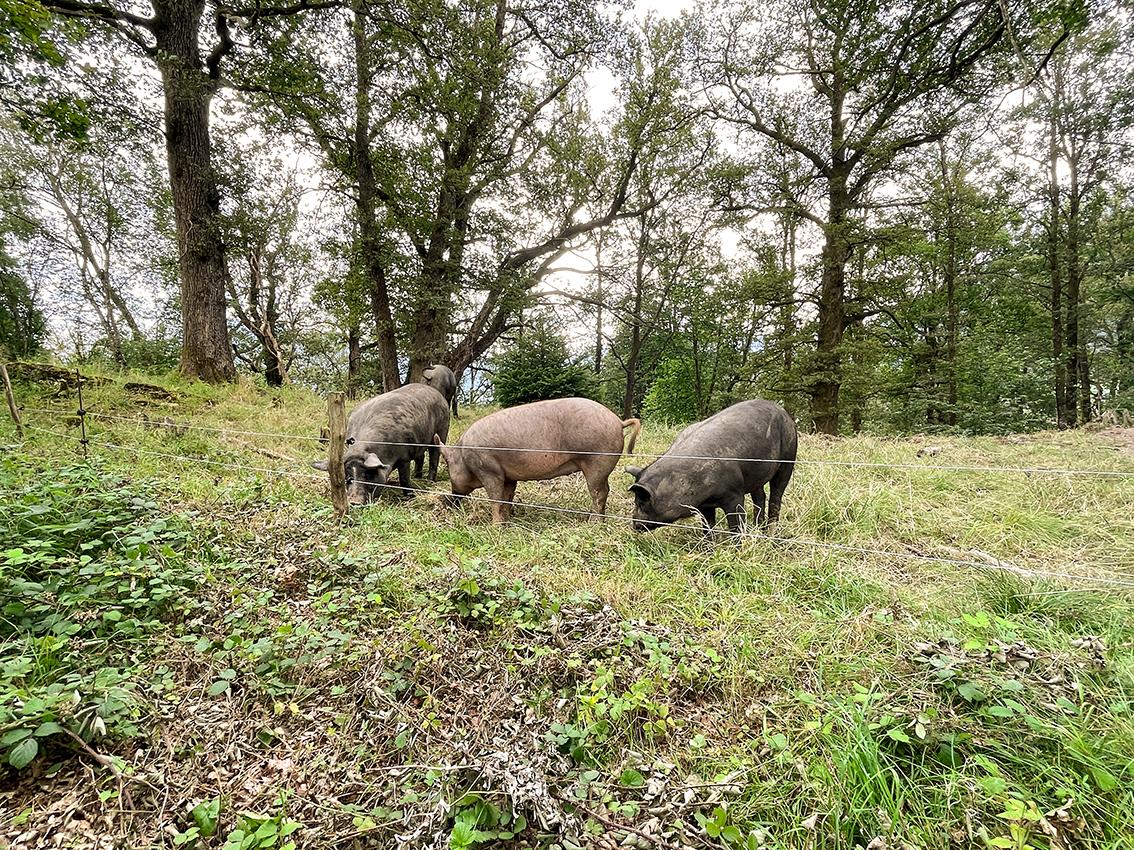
column 992, row 563
column 930, row 467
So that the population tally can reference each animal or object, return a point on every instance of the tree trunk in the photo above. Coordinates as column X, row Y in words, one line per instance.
column 1055, row 273
column 632, row 358
column 1071, row 304
column 826, row 378
column 933, row 412
column 354, row 359
column 430, row 322
column 370, row 237
column 206, row 350
column 952, row 316
column 275, row 372
column 1086, row 407
column 598, row 301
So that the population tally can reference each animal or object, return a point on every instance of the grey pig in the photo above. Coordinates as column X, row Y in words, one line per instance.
column 386, row 433
column 535, row 442
column 679, row 485
column 442, row 379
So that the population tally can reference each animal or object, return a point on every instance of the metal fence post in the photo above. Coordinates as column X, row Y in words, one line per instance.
column 336, row 420
column 83, row 441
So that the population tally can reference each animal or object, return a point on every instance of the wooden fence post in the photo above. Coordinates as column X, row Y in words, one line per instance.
column 11, row 400
column 336, row 419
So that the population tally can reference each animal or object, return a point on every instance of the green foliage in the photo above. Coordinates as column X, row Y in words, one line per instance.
column 157, row 353
column 262, row 832
column 85, row 558
column 23, row 328
column 33, row 50
column 478, row 822
column 484, row 600
column 537, row 366
column 672, row 396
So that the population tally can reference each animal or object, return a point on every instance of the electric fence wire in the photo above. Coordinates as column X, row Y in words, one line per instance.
column 995, row 564
column 1024, row 470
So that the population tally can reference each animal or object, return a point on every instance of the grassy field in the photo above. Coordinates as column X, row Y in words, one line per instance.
column 198, row 655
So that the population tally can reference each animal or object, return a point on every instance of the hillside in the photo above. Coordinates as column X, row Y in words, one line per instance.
column 196, row 653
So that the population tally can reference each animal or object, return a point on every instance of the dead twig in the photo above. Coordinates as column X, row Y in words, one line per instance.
column 653, row 839
column 109, row 763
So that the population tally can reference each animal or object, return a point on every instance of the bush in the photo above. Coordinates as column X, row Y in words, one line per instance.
column 22, row 325
column 538, row 367
column 157, row 354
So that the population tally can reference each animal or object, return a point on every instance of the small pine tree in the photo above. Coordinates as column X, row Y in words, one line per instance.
column 538, row 367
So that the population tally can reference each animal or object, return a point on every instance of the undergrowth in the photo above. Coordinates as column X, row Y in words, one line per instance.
column 243, row 672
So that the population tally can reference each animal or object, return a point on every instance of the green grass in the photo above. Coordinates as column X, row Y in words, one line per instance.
column 769, row 693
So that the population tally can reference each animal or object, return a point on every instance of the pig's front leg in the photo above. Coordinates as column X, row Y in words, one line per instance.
column 709, row 515
column 736, row 514
column 404, row 480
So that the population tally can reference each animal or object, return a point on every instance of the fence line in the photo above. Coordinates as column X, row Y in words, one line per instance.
column 168, row 455
column 1024, row 470
column 1109, row 579
column 152, row 423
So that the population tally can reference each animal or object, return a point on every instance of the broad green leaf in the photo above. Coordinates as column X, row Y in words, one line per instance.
column 632, row 778
column 21, row 755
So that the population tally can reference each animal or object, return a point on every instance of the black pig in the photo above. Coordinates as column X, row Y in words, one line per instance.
column 442, row 379
column 386, row 433
column 680, row 484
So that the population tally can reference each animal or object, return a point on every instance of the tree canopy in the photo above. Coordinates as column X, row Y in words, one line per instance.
column 901, row 218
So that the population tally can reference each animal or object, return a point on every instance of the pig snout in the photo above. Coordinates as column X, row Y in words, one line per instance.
column 641, row 524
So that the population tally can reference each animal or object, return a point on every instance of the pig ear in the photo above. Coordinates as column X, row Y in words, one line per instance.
column 373, row 462
column 634, row 470
column 320, row 464
column 640, row 490
column 444, row 448
column 428, row 373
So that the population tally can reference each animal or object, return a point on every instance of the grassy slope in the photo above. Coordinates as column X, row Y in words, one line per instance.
column 826, row 697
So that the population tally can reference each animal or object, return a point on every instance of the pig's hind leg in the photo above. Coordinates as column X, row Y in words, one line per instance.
column 434, row 459
column 776, row 489
column 596, row 471
column 759, row 510
column 599, row 485
column 500, row 492
column 509, row 498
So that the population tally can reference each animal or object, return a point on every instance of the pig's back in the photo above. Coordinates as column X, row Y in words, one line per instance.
column 571, row 425
column 748, row 429
column 409, row 414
